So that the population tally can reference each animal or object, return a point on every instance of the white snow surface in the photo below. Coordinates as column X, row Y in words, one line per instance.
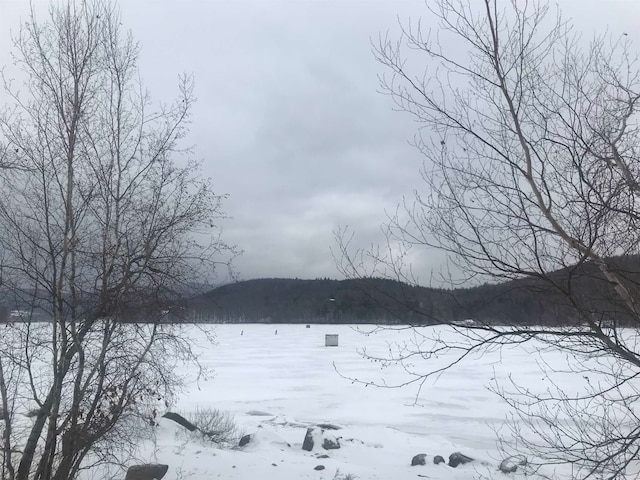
column 278, row 384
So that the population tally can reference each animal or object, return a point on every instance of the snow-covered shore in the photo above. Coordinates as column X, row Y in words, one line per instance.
column 287, row 373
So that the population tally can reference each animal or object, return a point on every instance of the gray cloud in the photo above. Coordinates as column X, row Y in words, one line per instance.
column 288, row 120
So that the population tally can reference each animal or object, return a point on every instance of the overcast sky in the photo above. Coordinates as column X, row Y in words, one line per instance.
column 288, row 120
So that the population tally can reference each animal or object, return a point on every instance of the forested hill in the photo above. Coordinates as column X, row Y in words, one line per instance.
column 277, row 300
column 304, row 301
column 527, row 301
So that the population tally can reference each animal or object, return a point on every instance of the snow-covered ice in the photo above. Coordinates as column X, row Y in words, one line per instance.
column 277, row 384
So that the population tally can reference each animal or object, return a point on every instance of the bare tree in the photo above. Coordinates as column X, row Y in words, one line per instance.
column 105, row 224
column 530, row 141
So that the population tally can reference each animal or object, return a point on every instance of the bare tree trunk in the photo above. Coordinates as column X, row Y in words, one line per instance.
column 8, row 471
column 102, row 230
column 529, row 137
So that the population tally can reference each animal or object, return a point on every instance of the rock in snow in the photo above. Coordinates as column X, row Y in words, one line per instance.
column 438, row 459
column 262, row 437
column 308, row 442
column 511, row 464
column 180, row 420
column 317, row 436
column 244, row 440
column 330, row 443
column 458, row 458
column 149, row 471
column 419, row 459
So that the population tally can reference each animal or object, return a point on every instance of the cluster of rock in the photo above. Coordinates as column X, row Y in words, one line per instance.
column 508, row 465
column 318, row 436
column 455, row 459
column 315, row 437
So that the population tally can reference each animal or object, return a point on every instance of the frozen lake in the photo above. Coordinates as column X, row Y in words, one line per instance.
column 287, row 372
column 293, row 373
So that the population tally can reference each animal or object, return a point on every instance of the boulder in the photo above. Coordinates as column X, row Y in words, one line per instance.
column 330, row 443
column 180, row 420
column 458, row 458
column 420, row 459
column 149, row 471
column 308, row 442
column 319, row 467
column 317, row 437
column 511, row 464
column 262, row 437
column 438, row 459
column 244, row 440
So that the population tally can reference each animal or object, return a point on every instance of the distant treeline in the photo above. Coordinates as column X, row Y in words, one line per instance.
column 531, row 300
column 527, row 301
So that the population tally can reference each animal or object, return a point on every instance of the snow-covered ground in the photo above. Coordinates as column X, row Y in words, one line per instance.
column 279, row 379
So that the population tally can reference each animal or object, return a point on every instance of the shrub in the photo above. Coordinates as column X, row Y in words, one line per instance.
column 341, row 476
column 216, row 426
